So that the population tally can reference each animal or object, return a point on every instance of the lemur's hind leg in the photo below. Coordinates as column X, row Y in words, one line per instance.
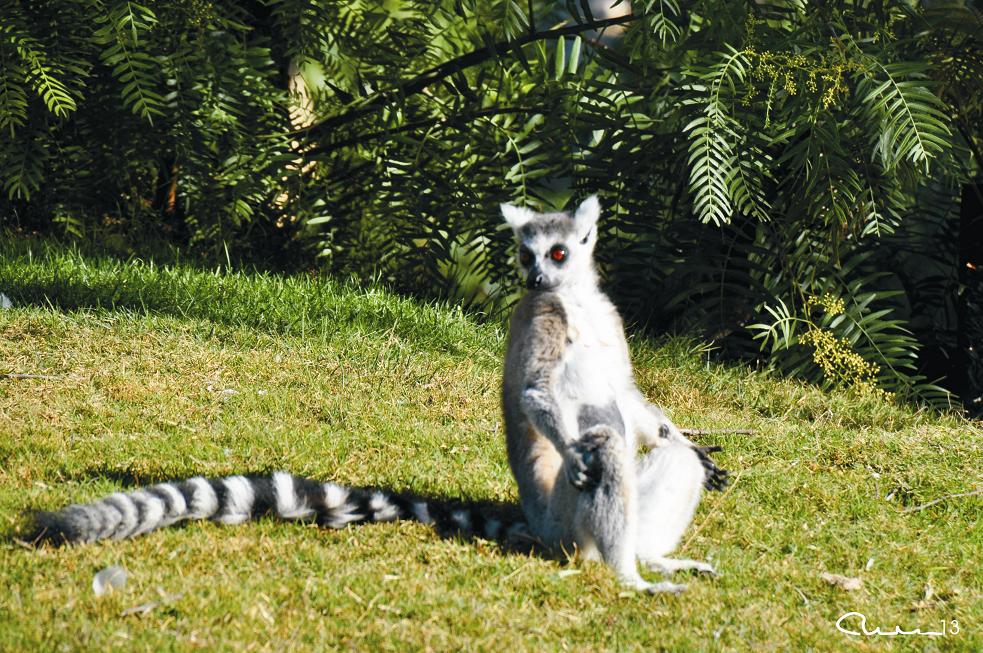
column 606, row 516
column 670, row 483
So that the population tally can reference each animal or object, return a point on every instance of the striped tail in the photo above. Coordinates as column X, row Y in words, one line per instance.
column 236, row 499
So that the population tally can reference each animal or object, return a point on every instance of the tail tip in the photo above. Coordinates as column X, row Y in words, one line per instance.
column 49, row 528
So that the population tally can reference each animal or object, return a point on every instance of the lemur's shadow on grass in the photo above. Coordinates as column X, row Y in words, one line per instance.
column 449, row 517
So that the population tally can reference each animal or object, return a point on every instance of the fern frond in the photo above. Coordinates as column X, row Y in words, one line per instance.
column 22, row 167
column 13, row 93
column 662, row 17
column 123, row 25
column 713, row 137
column 913, row 121
column 748, row 192
column 42, row 72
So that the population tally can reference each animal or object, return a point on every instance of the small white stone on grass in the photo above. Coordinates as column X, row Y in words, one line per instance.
column 109, row 579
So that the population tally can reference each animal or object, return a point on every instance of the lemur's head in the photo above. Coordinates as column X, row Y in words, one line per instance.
column 555, row 249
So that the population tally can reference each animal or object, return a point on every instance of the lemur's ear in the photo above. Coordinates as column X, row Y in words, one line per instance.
column 586, row 216
column 588, row 212
column 516, row 216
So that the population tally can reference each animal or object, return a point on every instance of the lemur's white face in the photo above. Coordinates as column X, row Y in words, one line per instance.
column 555, row 249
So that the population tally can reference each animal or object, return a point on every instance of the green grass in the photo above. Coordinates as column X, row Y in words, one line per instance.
column 363, row 387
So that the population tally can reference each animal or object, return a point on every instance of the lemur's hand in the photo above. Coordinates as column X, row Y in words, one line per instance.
column 716, row 478
column 583, row 462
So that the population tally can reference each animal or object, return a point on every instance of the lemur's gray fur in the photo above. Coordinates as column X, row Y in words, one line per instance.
column 574, row 416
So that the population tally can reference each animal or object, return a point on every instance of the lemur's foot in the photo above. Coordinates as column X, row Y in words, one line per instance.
column 662, row 587
column 671, row 565
column 666, row 587
column 716, row 478
column 584, row 466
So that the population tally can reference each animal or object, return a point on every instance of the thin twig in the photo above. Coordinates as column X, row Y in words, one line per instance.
column 710, row 431
column 805, row 600
column 516, row 570
column 941, row 499
column 147, row 607
column 44, row 377
column 25, row 544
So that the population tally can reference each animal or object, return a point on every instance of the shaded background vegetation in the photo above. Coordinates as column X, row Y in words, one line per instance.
column 798, row 182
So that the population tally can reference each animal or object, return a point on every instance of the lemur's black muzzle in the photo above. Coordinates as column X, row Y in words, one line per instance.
column 534, row 280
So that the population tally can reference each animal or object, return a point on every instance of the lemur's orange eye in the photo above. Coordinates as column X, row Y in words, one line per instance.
column 525, row 256
column 558, row 253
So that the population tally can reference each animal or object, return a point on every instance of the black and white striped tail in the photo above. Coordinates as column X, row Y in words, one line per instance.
column 236, row 499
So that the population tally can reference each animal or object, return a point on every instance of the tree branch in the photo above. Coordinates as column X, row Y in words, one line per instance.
column 448, row 68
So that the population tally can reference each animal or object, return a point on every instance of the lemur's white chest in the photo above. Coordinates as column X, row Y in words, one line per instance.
column 595, row 369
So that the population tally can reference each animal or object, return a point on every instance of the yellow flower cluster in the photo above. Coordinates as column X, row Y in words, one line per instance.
column 833, row 81
column 832, row 304
column 201, row 11
column 778, row 65
column 787, row 68
column 840, row 363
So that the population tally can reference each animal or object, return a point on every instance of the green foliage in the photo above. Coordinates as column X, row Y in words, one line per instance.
column 746, row 153
column 913, row 120
column 122, row 26
column 839, row 347
column 154, row 120
column 715, row 176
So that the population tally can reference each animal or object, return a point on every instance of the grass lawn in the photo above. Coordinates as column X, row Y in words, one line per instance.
column 162, row 373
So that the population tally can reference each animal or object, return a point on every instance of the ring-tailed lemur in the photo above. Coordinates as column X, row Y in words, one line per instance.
column 595, row 450
column 574, row 416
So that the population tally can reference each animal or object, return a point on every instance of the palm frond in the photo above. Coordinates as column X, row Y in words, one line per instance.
column 913, row 121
